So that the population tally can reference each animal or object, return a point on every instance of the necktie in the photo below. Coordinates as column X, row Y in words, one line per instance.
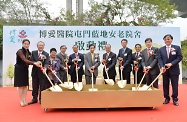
column 39, row 55
column 168, row 52
column 137, row 56
column 148, row 52
column 76, row 55
column 106, row 56
column 92, row 56
column 124, row 51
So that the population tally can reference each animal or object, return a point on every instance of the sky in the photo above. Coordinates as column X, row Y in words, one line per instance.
column 54, row 7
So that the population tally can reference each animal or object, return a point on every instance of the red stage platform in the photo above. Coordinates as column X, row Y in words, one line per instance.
column 10, row 111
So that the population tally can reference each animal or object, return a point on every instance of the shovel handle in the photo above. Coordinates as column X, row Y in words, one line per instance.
column 67, row 72
column 121, row 74
column 136, row 79
column 154, row 80
column 141, row 81
column 106, row 72
column 92, row 82
column 77, row 74
column 58, row 78
column 49, row 79
column 55, row 75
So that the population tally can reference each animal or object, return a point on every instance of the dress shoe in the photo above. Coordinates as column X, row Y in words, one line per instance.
column 166, row 101
column 175, row 103
column 32, row 102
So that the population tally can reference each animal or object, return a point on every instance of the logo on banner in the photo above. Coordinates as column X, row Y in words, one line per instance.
column 22, row 34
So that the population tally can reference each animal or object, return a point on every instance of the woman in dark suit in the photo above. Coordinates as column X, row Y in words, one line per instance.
column 21, row 77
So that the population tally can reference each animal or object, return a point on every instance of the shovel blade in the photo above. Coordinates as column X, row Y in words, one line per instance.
column 78, row 86
column 122, row 83
column 52, row 89
column 144, row 88
column 62, row 85
column 134, row 89
column 57, row 88
column 92, row 89
column 68, row 85
column 109, row 82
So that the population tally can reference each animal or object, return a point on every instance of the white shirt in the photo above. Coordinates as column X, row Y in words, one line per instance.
column 62, row 53
column 137, row 53
column 108, row 53
column 168, row 48
column 149, row 48
column 39, row 53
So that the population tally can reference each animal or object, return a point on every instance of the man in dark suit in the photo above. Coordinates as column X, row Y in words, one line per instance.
column 63, row 60
column 38, row 77
column 92, row 62
column 137, row 61
column 150, row 62
column 110, row 59
column 125, row 55
column 169, row 56
column 76, row 58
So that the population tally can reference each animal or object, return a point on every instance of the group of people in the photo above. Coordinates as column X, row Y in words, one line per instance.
column 150, row 61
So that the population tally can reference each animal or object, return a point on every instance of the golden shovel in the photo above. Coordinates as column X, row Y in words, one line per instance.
column 136, row 72
column 78, row 85
column 68, row 84
column 162, row 71
column 62, row 84
column 145, row 87
column 54, row 88
column 93, row 89
column 108, row 81
column 146, row 72
column 122, row 83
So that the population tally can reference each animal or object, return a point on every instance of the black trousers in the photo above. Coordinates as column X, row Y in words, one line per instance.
column 63, row 76
column 174, row 82
column 38, row 84
column 74, row 77
column 89, row 79
column 126, row 76
column 150, row 78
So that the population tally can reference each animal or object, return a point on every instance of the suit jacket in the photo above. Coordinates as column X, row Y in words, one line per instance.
column 80, row 63
column 89, row 63
column 151, row 61
column 45, row 62
column 111, row 63
column 62, row 63
column 139, row 60
column 175, row 57
column 127, row 55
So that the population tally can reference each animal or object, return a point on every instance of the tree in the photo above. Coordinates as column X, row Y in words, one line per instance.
column 184, row 53
column 10, row 72
column 120, row 13
column 23, row 12
column 130, row 12
column 66, row 18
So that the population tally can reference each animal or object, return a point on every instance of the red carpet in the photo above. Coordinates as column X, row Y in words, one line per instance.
column 10, row 111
